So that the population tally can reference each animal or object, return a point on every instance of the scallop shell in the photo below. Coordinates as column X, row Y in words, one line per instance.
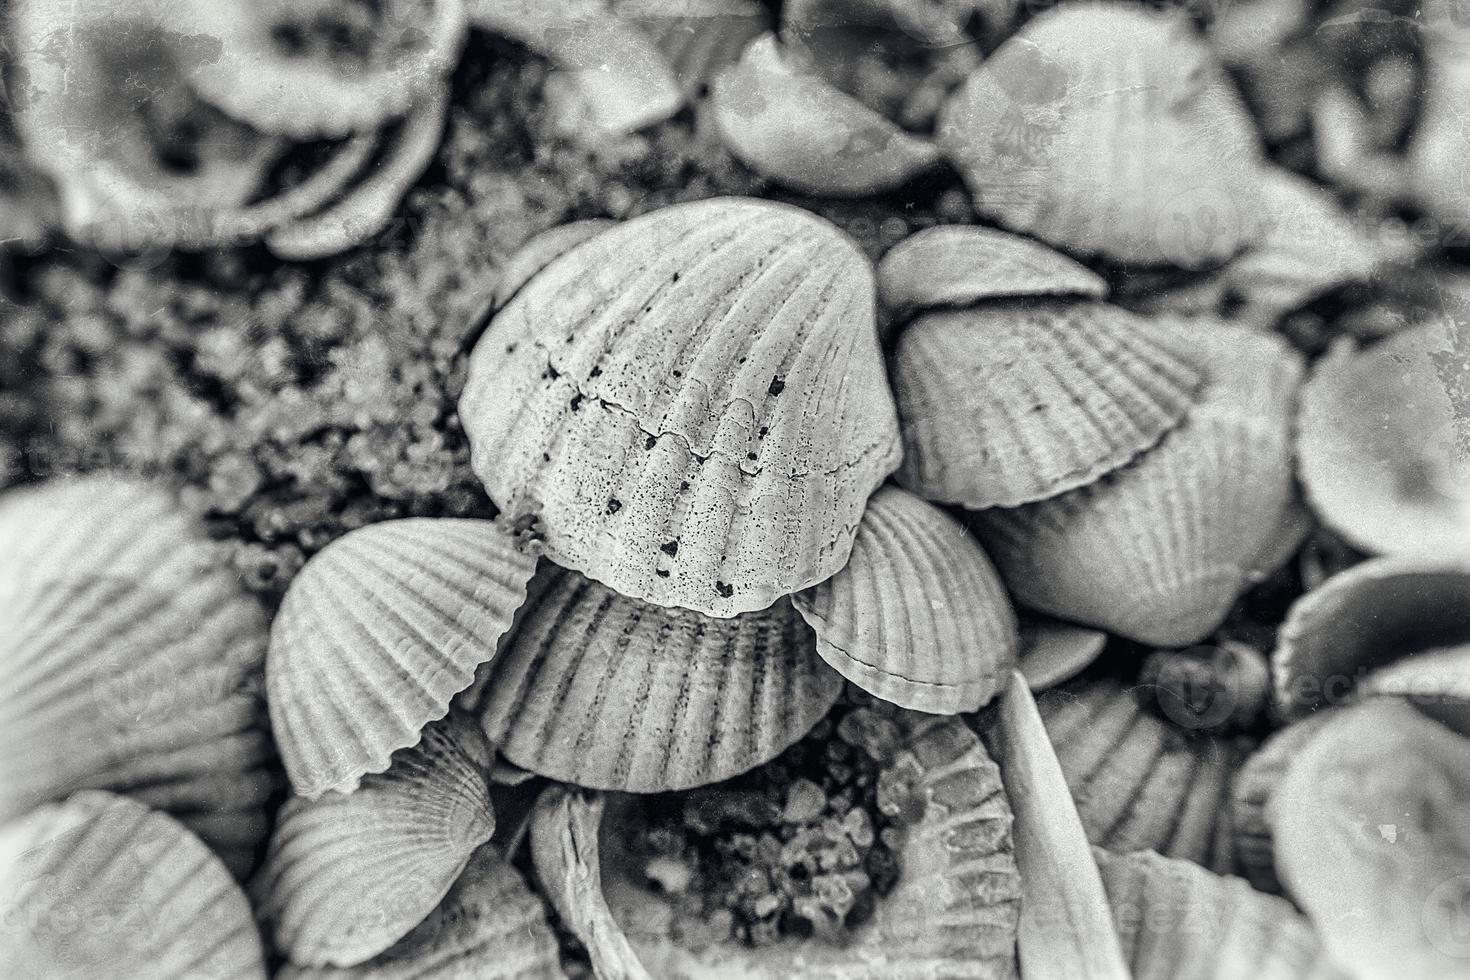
column 1108, row 129
column 1158, row 551
column 489, row 927
column 919, row 616
column 541, row 251
column 1252, row 788
column 1178, row 921
column 102, row 886
column 693, row 403
column 952, row 915
column 132, row 661
column 607, row 692
column 1385, row 442
column 785, row 122
column 1053, row 651
column 377, row 633
column 1370, row 839
column 349, row 875
column 1015, row 401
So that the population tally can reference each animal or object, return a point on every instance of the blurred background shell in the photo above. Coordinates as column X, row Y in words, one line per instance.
column 692, row 403
column 376, row 635
column 1220, row 688
column 1254, row 783
column 132, row 659
column 100, row 885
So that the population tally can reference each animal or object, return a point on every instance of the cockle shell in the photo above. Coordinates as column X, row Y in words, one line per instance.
column 1254, row 783
column 1371, row 839
column 1053, row 651
column 348, row 875
column 692, row 403
column 102, row 886
column 919, row 616
column 1013, row 401
column 378, row 632
column 607, row 692
column 952, row 915
column 1159, row 550
column 540, row 251
column 132, row 660
column 1385, row 441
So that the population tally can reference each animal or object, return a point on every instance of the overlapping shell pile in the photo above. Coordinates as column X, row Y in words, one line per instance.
column 739, row 680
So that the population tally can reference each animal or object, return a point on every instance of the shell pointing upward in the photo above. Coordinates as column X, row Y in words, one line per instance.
column 693, row 403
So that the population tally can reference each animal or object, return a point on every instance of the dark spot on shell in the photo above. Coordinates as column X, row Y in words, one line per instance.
column 683, row 485
column 596, row 370
column 670, row 548
column 571, row 337
column 725, row 589
column 510, row 348
column 676, row 277
column 765, row 430
column 661, row 572
column 778, row 385
column 649, row 443
column 614, row 505
column 750, row 456
column 546, row 457
column 551, row 373
column 576, row 401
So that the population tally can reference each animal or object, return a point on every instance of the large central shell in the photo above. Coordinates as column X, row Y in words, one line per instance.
column 693, row 403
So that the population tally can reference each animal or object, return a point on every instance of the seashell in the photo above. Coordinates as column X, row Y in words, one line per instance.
column 1385, row 445
column 1370, row 839
column 784, row 121
column 1053, row 651
column 1158, row 551
column 101, row 885
column 1223, row 687
column 1439, row 147
column 1436, row 681
column 698, row 37
column 607, row 692
column 1020, row 400
column 1177, row 920
column 132, row 660
column 541, row 251
column 961, row 265
column 1252, row 788
column 1294, row 528
column 952, row 914
column 349, row 875
column 377, row 633
column 699, row 426
column 1109, row 130
column 919, row 616
column 490, row 926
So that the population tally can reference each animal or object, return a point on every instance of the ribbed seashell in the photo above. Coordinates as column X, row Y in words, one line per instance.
column 1370, row 839
column 1158, row 551
column 378, row 632
column 602, row 691
column 348, row 875
column 489, row 927
column 132, row 660
column 1252, row 787
column 784, row 121
column 692, row 403
column 698, row 37
column 1178, row 921
column 952, row 915
column 1223, row 687
column 919, row 616
column 1385, row 441
column 102, row 886
column 1013, row 401
column 540, row 251
column 1139, row 782
column 1294, row 527
column 1108, row 129
column 1053, row 651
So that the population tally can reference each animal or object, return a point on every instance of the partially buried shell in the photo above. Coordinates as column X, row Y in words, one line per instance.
column 693, row 403
column 953, row 913
column 103, row 886
column 919, row 616
column 1256, row 780
column 378, row 632
column 349, row 875
column 1053, row 651
column 607, row 692
column 133, row 661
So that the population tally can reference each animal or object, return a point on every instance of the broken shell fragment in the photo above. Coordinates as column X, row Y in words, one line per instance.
column 1254, row 783
column 692, row 403
column 607, row 692
column 1053, row 651
column 919, row 616
column 541, row 251
column 377, row 633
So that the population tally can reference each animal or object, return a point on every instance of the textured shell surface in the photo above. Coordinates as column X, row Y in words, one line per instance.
column 1013, row 401
column 1252, row 787
column 599, row 690
column 101, row 885
column 133, row 661
column 376, row 635
column 1053, row 651
column 919, row 616
column 693, row 404
column 349, row 875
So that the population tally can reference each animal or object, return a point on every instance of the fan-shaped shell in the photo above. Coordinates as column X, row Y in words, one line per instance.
column 348, row 875
column 1250, row 791
column 103, row 886
column 1014, row 401
column 378, row 632
column 692, row 402
column 607, row 692
column 132, row 661
column 919, row 616
column 952, row 915
column 541, row 251
column 1053, row 651
column 1158, row 551
column 1385, row 441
